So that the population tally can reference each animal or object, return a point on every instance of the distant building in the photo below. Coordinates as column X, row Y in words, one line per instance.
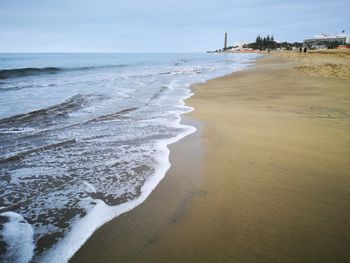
column 324, row 40
column 238, row 45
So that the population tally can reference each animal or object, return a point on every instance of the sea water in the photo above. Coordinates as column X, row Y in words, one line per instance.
column 83, row 138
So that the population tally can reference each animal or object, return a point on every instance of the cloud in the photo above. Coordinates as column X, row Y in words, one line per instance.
column 110, row 25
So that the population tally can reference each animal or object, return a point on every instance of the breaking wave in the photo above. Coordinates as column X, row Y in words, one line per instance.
column 61, row 109
column 25, row 72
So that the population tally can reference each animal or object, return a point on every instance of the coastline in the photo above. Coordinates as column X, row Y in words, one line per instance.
column 128, row 146
column 130, row 236
column 270, row 183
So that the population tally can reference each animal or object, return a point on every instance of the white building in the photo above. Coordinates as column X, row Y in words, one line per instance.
column 326, row 39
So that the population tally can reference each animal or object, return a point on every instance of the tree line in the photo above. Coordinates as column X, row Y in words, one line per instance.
column 263, row 43
column 269, row 43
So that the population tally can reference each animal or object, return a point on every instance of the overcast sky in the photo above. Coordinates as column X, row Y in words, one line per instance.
column 160, row 26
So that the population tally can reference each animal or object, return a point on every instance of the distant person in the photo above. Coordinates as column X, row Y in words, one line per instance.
column 305, row 49
column 300, row 49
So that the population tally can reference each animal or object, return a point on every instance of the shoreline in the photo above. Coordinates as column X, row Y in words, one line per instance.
column 80, row 233
column 269, row 184
column 130, row 161
column 166, row 206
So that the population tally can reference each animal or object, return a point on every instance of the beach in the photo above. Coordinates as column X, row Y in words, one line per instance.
column 264, row 179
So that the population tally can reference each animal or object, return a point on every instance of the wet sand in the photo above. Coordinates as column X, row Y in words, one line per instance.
column 265, row 179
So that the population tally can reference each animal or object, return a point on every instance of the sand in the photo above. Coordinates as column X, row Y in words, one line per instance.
column 265, row 179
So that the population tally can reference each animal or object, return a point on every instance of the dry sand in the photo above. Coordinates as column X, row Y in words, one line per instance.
column 266, row 178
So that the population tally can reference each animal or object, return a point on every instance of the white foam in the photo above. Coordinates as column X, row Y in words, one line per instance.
column 102, row 213
column 89, row 188
column 18, row 236
column 22, row 130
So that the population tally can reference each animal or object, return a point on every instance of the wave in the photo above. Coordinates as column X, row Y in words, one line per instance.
column 102, row 213
column 60, row 109
column 157, row 95
column 99, row 67
column 21, row 155
column 25, row 72
column 16, row 88
column 112, row 116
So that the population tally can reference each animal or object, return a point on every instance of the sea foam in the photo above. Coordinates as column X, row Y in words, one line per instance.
column 102, row 213
column 17, row 234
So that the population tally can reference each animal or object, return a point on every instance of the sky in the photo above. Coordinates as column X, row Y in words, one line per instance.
column 161, row 26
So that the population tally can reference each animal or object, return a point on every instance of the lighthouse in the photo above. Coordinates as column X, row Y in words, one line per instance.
column 225, row 42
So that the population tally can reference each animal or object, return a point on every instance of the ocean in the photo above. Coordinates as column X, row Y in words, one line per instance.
column 83, row 139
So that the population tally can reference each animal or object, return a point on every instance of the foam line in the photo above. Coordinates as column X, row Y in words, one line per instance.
column 102, row 213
